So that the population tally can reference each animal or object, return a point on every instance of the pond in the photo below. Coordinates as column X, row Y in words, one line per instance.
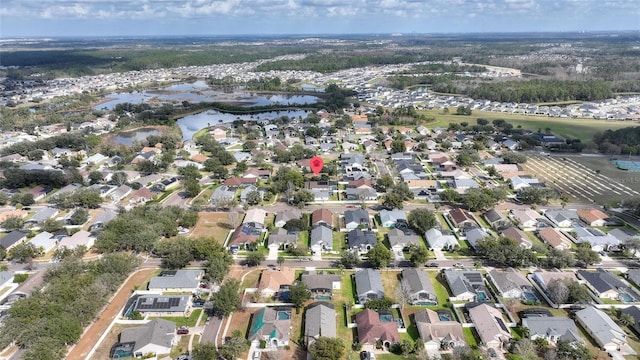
column 190, row 124
column 199, row 91
column 131, row 137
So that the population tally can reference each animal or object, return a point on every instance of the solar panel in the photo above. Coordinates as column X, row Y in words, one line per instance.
column 160, row 303
column 168, row 273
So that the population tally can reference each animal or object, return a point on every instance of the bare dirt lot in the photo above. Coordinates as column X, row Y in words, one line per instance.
column 215, row 225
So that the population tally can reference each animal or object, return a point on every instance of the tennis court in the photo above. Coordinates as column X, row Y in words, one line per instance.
column 627, row 165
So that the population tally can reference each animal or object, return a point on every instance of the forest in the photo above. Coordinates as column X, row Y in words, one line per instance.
column 622, row 141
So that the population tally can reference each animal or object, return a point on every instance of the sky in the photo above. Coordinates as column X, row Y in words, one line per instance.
column 49, row 18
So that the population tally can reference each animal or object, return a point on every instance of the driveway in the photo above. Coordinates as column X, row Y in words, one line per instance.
column 439, row 254
column 273, row 253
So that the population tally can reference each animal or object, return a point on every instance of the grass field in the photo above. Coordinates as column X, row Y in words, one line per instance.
column 582, row 129
column 212, row 224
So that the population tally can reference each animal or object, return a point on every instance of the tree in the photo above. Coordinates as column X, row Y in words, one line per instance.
column 505, row 252
column 626, row 319
column 218, row 267
column 253, row 197
column 558, row 291
column 418, row 255
column 571, row 350
column 326, row 348
column 191, row 187
column 512, row 157
column 314, row 132
column 536, row 195
column 350, row 259
column 95, row 177
column 392, row 201
column 302, row 197
column 176, row 253
column 524, row 347
column 560, row 258
column 204, row 351
column 254, row 258
column 403, row 190
column 280, row 260
column 79, row 217
column 12, row 223
column 226, row 300
column 379, row 256
column 299, row 293
column 233, row 346
column 492, row 172
column 27, row 199
column 449, row 196
column 24, row 252
column 384, row 182
column 403, row 293
column 398, row 146
column 585, row 255
column 421, row 220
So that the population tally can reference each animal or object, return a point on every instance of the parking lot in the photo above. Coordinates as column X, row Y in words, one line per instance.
column 578, row 181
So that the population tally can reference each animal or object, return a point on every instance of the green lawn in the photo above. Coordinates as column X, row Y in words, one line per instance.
column 470, row 338
column 583, row 129
column 303, row 239
column 184, row 321
column 440, row 287
column 338, row 240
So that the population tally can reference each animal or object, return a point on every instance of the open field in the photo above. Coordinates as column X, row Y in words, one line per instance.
column 212, row 224
column 590, row 179
column 582, row 129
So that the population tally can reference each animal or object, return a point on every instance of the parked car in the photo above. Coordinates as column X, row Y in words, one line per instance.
column 256, row 355
column 432, row 265
column 182, row 330
column 458, row 265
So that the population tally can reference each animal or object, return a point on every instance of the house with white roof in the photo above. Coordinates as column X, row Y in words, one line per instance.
column 607, row 334
column 439, row 240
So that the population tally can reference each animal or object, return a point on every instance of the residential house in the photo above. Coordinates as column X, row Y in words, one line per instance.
column 40, row 216
column 440, row 240
column 255, row 218
column 272, row 325
column 389, row 218
column 121, row 192
column 361, row 241
column 466, row 285
column 39, row 192
column 399, row 240
column 525, row 219
column 418, row 287
column 552, row 329
column 12, row 239
column 356, row 219
column 6, row 277
column 521, row 182
column 518, row 236
column 436, row 333
column 607, row 334
column 371, row 329
column 544, row 278
column 321, row 239
column 222, row 195
column 320, row 195
column 474, row 235
column 633, row 275
column 176, row 280
column 322, row 216
column 361, row 194
column 554, row 238
column 368, row 285
column 162, row 305
column 157, row 337
column 244, row 193
column 592, row 217
column 322, row 283
column 287, row 214
column 634, row 311
column 44, row 240
column 490, row 326
column 320, row 320
column 461, row 219
column 81, row 238
column 563, row 218
column 604, row 284
column 102, row 219
column 510, row 283
column 281, row 239
column 257, row 173
column 599, row 240
column 273, row 281
column 242, row 236
column 234, row 182
column 141, row 196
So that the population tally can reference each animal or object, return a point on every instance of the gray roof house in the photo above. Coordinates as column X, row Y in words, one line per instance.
column 44, row 240
column 248, row 190
column 223, row 193
column 40, row 216
column 320, row 320
column 603, row 283
column 13, row 238
column 440, row 240
column 475, row 234
column 157, row 336
column 634, row 311
column 496, row 219
column 176, row 280
column 467, row 285
column 362, row 241
column 287, row 214
column 368, row 285
column 361, row 194
column 563, row 218
column 607, row 334
column 5, row 277
column 356, row 218
column 419, row 287
column 389, row 218
column 281, row 238
column 102, row 219
column 321, row 238
column 398, row 240
column 552, row 329
column 321, row 283
column 510, row 283
column 634, row 276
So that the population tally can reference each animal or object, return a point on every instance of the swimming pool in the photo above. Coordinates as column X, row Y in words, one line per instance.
column 624, row 297
column 323, row 297
column 386, row 318
column 444, row 317
column 283, row 315
column 482, row 296
column 531, row 297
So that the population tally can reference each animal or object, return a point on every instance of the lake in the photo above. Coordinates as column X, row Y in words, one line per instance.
column 130, row 137
column 192, row 123
column 199, row 91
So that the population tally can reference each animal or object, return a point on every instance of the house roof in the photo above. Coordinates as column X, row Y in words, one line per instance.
column 634, row 275
column 545, row 277
column 359, row 216
column 368, row 280
column 236, row 181
column 437, row 239
column 43, row 214
column 288, row 214
column 321, row 235
column 266, row 323
column 321, row 215
column 524, row 216
column 489, row 324
column 12, row 213
column 281, row 236
column 602, row 280
column 176, row 279
column 142, row 193
column 255, row 216
column 359, row 238
column 508, row 279
column 554, row 237
column 398, row 237
column 157, row 332
column 371, row 329
column 320, row 320
column 517, row 235
column 274, row 279
column 320, row 281
column 459, row 216
column 12, row 238
column 590, row 215
column 431, row 328
column 392, row 216
column 561, row 215
column 417, row 280
column 162, row 303
column 82, row 237
column 562, row 328
column 601, row 326
column 461, row 282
